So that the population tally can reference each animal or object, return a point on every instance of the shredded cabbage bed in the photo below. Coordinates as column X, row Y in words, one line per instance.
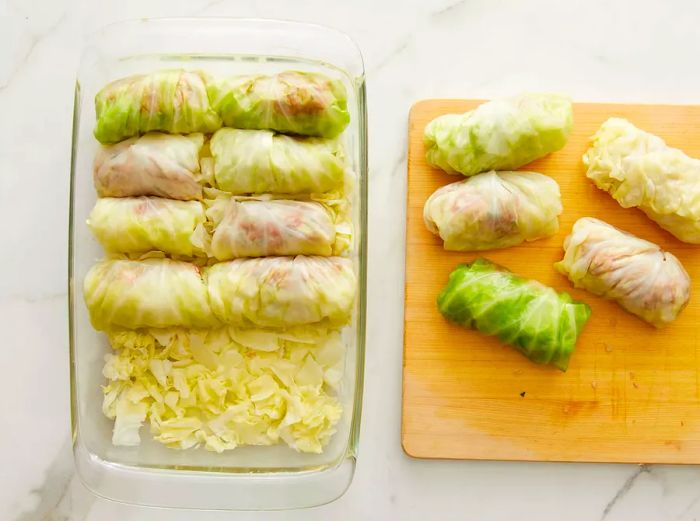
column 226, row 387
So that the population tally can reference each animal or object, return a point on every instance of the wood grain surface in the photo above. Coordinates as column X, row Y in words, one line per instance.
column 632, row 392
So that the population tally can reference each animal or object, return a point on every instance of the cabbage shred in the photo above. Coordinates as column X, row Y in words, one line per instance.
column 223, row 388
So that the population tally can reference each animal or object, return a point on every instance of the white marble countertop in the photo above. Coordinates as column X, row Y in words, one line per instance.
column 644, row 51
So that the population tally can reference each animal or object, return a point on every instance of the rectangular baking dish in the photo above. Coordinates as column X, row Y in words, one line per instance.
column 275, row 477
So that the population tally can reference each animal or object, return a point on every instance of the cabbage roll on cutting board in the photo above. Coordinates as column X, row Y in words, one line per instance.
column 154, row 164
column 173, row 101
column 146, row 293
column 494, row 210
column 283, row 291
column 635, row 273
column 259, row 228
column 260, row 161
column 639, row 170
column 499, row 135
column 143, row 224
column 304, row 103
column 539, row 322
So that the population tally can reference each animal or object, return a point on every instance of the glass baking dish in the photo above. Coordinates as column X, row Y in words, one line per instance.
column 274, row 477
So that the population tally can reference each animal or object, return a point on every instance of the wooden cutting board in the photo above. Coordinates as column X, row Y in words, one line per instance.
column 631, row 394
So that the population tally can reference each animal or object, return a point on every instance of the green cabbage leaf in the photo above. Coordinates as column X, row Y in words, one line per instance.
column 173, row 101
column 295, row 102
column 499, row 135
column 539, row 322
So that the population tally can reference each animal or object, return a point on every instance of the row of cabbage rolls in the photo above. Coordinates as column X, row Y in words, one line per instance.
column 173, row 202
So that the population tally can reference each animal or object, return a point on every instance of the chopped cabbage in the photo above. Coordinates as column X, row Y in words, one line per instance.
column 127, row 421
column 499, row 135
column 639, row 169
column 212, row 388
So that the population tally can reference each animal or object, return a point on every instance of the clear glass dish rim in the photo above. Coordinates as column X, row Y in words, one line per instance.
column 95, row 35
column 74, row 293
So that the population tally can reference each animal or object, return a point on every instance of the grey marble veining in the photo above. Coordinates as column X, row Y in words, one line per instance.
column 595, row 50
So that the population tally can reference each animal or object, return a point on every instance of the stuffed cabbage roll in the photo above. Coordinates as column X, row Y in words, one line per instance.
column 494, row 210
column 258, row 228
column 173, row 101
column 539, row 322
column 153, row 292
column 258, row 161
column 154, row 164
column 142, row 224
column 282, row 291
column 635, row 273
column 639, row 170
column 499, row 135
column 304, row 103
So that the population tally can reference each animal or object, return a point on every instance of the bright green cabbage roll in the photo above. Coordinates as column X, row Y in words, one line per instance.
column 258, row 161
column 499, row 135
column 639, row 170
column 264, row 227
column 304, row 103
column 157, row 164
column 283, row 291
column 637, row 274
column 539, row 322
column 173, row 101
column 494, row 210
column 143, row 224
column 149, row 293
